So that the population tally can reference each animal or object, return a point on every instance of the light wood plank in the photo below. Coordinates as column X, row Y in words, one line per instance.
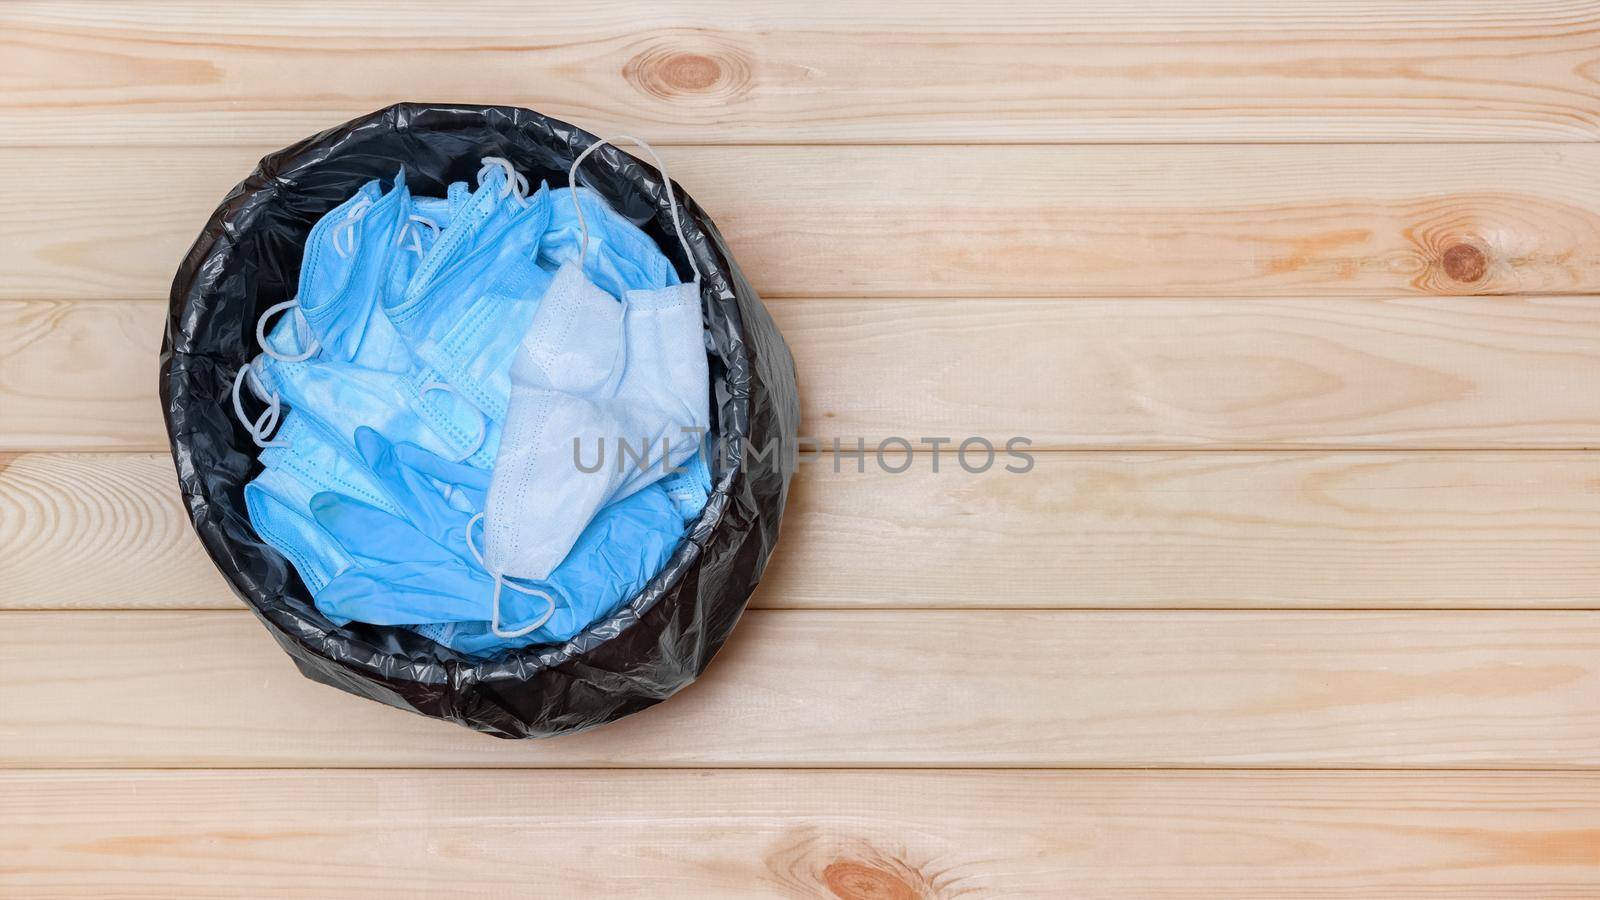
column 826, row 71
column 840, row 688
column 1176, row 221
column 81, row 375
column 1150, row 374
column 100, row 530
column 1096, row 530
column 854, row 835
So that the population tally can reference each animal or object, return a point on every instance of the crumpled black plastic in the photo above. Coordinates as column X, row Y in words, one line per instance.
column 248, row 257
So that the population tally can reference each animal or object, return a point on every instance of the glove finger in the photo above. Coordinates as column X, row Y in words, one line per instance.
column 417, row 497
column 461, row 475
column 407, row 594
column 415, row 476
column 373, row 536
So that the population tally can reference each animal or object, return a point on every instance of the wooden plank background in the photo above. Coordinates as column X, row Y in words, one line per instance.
column 1295, row 302
column 827, row 833
column 1326, row 220
column 955, row 688
column 826, row 71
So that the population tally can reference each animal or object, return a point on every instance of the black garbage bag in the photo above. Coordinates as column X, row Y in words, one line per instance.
column 248, row 257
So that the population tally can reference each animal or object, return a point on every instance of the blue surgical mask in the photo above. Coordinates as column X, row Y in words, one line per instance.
column 346, row 259
column 624, row 547
column 362, row 373
column 343, row 397
column 464, row 306
column 419, row 565
column 278, row 503
column 309, row 462
column 689, row 486
column 334, row 316
column 619, row 257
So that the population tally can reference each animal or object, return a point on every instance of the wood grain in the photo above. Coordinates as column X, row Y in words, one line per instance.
column 1174, row 221
column 828, row 71
column 853, row 835
column 75, row 375
column 1084, row 530
column 1171, row 373
column 866, row 688
column 1149, row 374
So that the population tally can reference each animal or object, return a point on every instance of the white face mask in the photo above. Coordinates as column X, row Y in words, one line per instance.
column 592, row 371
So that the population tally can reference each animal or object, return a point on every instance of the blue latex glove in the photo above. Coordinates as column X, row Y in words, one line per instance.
column 415, row 567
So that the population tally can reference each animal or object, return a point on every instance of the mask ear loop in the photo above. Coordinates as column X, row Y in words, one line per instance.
column 483, row 420
column 416, row 235
column 516, row 182
column 347, row 228
column 666, row 180
column 301, row 327
column 263, row 426
column 500, row 581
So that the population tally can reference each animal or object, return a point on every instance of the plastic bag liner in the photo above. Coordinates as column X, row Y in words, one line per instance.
column 248, row 257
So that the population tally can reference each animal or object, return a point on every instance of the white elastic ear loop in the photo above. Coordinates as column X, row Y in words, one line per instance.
column 672, row 200
column 301, row 326
column 347, row 227
column 263, row 426
column 483, row 420
column 516, row 182
column 501, row 581
column 412, row 231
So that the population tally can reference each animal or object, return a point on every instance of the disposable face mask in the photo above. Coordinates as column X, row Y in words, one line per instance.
column 667, row 376
column 469, row 298
column 617, row 257
column 625, row 545
column 278, row 499
column 592, row 371
column 689, row 486
column 333, row 315
column 277, row 502
column 361, row 373
column 346, row 258
column 423, row 222
column 344, row 397
column 419, row 565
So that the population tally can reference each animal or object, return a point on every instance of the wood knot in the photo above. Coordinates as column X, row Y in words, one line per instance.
column 858, row 881
column 690, row 72
column 690, row 67
column 1464, row 262
column 1453, row 252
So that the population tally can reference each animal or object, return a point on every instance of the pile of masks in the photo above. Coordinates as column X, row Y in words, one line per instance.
column 485, row 413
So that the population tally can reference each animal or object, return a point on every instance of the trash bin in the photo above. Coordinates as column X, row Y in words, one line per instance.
column 247, row 258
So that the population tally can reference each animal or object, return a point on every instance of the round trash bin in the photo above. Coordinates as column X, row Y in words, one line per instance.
column 247, row 258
